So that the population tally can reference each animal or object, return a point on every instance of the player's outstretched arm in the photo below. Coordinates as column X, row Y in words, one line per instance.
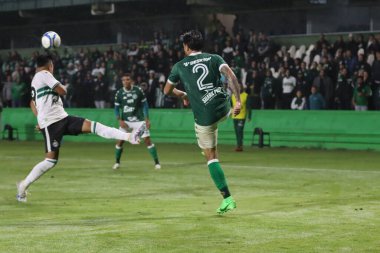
column 234, row 86
column 60, row 89
column 170, row 90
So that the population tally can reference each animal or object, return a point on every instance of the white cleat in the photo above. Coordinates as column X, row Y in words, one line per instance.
column 21, row 194
column 134, row 137
column 157, row 166
column 116, row 166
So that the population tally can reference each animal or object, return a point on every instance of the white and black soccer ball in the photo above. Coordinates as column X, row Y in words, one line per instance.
column 50, row 40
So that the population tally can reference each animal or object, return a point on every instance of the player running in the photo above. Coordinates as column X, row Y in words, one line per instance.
column 54, row 122
column 132, row 112
column 200, row 74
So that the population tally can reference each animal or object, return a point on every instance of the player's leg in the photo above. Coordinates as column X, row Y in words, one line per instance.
column 118, row 152
column 236, row 133
column 110, row 132
column 52, row 136
column 207, row 140
column 152, row 151
column 239, row 124
column 135, row 126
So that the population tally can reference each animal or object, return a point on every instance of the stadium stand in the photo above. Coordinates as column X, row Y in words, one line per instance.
column 250, row 55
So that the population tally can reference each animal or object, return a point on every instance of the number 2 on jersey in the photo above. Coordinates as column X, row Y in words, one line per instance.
column 203, row 68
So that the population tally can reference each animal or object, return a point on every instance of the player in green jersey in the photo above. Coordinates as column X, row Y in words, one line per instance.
column 132, row 112
column 200, row 74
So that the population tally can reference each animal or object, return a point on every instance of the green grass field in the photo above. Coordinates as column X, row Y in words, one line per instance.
column 289, row 200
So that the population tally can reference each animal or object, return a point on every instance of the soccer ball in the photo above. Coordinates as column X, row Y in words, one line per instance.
column 50, row 40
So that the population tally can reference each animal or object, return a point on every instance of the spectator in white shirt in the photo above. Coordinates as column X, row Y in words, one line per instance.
column 98, row 70
column 298, row 102
column 288, row 84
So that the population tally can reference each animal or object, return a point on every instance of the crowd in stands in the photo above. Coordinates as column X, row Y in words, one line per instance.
column 339, row 75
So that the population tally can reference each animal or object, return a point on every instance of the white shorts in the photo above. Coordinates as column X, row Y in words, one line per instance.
column 207, row 136
column 133, row 126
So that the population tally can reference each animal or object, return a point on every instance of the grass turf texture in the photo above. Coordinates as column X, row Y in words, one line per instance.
column 289, row 200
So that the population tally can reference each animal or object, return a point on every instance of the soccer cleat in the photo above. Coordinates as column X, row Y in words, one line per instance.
column 227, row 205
column 157, row 166
column 116, row 166
column 21, row 194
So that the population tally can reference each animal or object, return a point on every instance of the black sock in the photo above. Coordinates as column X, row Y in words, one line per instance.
column 225, row 192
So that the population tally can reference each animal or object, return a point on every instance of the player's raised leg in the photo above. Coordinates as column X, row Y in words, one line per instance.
column 110, row 132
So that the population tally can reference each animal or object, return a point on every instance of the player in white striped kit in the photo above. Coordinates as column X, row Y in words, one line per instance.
column 54, row 122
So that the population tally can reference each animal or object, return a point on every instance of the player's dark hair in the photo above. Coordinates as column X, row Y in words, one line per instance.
column 127, row 75
column 43, row 60
column 193, row 39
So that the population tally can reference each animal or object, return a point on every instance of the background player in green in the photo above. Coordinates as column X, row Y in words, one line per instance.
column 200, row 74
column 132, row 112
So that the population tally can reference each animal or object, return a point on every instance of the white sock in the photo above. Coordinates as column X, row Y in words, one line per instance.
column 108, row 132
column 37, row 172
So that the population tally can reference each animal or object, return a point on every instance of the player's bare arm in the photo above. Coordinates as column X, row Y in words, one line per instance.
column 234, row 86
column 60, row 89
column 170, row 90
column 33, row 107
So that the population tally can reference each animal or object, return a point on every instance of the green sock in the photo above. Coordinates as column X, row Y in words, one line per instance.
column 153, row 153
column 217, row 175
column 118, row 151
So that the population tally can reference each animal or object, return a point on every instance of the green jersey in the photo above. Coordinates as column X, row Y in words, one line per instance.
column 131, row 103
column 362, row 99
column 200, row 75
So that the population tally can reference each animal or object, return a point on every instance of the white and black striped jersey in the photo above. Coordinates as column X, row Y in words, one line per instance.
column 48, row 103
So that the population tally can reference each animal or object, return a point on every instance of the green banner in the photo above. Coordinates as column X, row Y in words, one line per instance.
column 310, row 129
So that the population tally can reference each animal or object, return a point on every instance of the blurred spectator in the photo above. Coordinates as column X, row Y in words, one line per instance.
column 361, row 94
column 86, row 90
column 343, row 92
column 263, row 46
column 18, row 90
column 288, row 85
column 322, row 42
column 326, row 87
column 376, row 81
column 339, row 44
column 254, row 90
column 113, row 86
column 228, row 52
column 159, row 103
column 372, row 44
column 151, row 90
column 316, row 101
column 362, row 64
column 351, row 44
column 298, row 102
column 98, row 70
column 268, row 92
column 100, row 92
column 350, row 61
column 7, row 92
column 68, row 98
